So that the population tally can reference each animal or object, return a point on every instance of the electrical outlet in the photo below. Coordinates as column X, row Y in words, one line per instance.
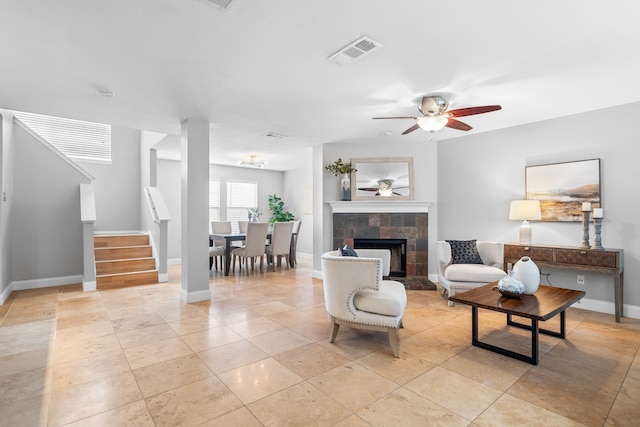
column 580, row 279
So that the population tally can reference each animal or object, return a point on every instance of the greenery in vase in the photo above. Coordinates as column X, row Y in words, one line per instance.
column 254, row 213
column 278, row 214
column 339, row 167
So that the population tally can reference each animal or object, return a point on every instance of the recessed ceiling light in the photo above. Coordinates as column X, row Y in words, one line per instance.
column 385, row 133
column 107, row 93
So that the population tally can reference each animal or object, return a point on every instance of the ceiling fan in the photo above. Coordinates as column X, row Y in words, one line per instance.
column 385, row 188
column 435, row 115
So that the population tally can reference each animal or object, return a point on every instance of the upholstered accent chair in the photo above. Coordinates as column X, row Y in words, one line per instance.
column 465, row 269
column 356, row 295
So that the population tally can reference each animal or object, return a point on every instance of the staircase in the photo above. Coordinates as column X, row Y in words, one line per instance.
column 124, row 260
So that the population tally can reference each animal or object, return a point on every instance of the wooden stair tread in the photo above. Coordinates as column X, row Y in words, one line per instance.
column 125, row 259
column 106, row 248
column 120, row 240
column 126, row 273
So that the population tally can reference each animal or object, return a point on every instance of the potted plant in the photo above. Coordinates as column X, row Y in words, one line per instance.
column 254, row 213
column 276, row 206
column 338, row 168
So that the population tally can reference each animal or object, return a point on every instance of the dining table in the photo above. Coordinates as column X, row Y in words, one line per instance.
column 237, row 237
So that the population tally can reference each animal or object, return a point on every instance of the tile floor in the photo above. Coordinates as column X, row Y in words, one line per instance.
column 258, row 354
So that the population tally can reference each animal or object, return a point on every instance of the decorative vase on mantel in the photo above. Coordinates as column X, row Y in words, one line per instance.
column 342, row 170
column 345, row 187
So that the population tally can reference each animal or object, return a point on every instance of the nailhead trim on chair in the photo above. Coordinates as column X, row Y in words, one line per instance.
column 352, row 294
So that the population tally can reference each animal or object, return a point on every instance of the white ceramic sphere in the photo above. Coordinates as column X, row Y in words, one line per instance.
column 528, row 273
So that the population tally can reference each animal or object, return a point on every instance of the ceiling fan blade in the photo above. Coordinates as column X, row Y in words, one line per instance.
column 401, row 117
column 457, row 124
column 411, row 129
column 460, row 112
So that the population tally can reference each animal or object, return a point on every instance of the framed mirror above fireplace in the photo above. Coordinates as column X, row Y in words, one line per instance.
column 387, row 178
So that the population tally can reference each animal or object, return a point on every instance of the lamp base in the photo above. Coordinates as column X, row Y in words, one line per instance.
column 525, row 233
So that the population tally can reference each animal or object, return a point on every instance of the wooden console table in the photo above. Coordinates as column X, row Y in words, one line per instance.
column 574, row 258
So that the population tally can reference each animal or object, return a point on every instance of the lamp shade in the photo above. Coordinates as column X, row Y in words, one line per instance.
column 525, row 210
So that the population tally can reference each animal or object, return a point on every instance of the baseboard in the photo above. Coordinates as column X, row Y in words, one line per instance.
column 89, row 286
column 195, row 296
column 304, row 255
column 316, row 274
column 607, row 307
column 174, row 261
column 49, row 282
column 4, row 296
column 162, row 278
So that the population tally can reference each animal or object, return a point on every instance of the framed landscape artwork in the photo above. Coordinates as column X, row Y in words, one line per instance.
column 563, row 187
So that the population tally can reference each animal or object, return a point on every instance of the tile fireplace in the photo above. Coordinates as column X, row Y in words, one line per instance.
column 400, row 225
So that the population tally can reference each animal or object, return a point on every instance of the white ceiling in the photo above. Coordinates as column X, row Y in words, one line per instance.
column 261, row 66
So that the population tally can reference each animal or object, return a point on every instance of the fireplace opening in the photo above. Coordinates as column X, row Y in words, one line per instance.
column 398, row 248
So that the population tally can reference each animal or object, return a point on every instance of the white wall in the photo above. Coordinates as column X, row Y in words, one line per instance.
column 169, row 182
column 298, row 185
column 6, row 200
column 479, row 175
column 117, row 185
column 46, row 231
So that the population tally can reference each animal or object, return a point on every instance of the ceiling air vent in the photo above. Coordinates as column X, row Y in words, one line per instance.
column 220, row 4
column 274, row 135
column 353, row 51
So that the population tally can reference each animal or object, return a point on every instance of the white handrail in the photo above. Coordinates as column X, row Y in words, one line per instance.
column 159, row 233
column 157, row 205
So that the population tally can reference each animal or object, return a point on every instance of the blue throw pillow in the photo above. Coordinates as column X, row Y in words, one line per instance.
column 464, row 252
column 348, row 251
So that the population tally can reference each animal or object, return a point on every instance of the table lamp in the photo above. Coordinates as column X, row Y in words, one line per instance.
column 525, row 210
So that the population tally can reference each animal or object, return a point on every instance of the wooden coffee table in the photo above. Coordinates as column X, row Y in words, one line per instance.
column 545, row 303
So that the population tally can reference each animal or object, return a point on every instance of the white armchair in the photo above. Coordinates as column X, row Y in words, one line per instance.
column 454, row 277
column 356, row 295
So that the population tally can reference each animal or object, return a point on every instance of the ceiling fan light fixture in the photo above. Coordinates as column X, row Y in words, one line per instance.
column 432, row 123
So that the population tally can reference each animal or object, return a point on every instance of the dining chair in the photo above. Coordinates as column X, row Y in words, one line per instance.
column 254, row 245
column 280, row 243
column 294, row 245
column 216, row 252
column 242, row 226
column 222, row 227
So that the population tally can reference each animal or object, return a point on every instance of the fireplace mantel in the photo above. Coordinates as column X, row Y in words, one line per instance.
column 396, row 206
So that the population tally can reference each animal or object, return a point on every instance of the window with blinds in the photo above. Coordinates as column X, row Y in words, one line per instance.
column 241, row 195
column 214, row 201
column 76, row 139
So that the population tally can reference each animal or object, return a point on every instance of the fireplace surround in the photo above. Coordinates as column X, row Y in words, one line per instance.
column 386, row 220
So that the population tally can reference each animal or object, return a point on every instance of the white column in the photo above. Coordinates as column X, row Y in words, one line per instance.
column 195, row 211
